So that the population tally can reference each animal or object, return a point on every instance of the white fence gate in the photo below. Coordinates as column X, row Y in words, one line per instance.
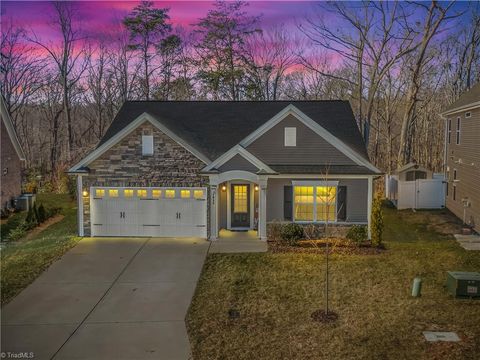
column 418, row 194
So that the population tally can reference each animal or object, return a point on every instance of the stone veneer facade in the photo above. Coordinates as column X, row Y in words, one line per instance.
column 124, row 165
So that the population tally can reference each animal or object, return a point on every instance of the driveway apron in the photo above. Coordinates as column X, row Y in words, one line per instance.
column 109, row 298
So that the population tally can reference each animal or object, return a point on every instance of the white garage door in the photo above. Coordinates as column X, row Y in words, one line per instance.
column 162, row 212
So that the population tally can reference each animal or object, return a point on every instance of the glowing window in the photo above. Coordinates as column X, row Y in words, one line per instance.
column 240, row 195
column 185, row 194
column 169, row 194
column 156, row 193
column 303, row 203
column 142, row 193
column 326, row 203
column 198, row 194
column 113, row 193
column 99, row 193
column 128, row 193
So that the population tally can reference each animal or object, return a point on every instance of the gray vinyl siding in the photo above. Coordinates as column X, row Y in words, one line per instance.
column 357, row 195
column 311, row 148
column 238, row 162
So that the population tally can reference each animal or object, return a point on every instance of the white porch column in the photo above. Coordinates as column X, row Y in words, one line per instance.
column 369, row 206
column 80, row 205
column 214, row 212
column 262, row 216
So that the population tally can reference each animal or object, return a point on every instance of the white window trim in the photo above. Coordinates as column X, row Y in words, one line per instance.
column 315, row 184
column 290, row 137
column 457, row 132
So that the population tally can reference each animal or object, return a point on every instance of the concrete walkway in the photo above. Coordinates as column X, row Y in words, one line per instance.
column 238, row 242
column 109, row 298
column 469, row 242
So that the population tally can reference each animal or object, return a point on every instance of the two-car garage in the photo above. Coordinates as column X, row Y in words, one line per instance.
column 148, row 211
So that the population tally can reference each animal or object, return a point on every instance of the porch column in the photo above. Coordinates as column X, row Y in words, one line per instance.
column 80, row 205
column 369, row 206
column 213, row 212
column 262, row 216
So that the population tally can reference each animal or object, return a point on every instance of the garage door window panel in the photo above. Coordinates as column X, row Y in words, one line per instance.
column 99, row 193
column 156, row 194
column 113, row 193
column 170, row 194
column 128, row 193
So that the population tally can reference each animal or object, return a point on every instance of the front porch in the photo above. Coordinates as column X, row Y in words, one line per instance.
column 237, row 242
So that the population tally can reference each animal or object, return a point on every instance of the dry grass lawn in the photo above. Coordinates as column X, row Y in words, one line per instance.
column 378, row 319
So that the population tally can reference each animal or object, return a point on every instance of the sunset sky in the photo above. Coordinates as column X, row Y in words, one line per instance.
column 102, row 19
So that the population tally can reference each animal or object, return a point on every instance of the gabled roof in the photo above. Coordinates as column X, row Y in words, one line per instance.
column 214, row 127
column 7, row 120
column 470, row 98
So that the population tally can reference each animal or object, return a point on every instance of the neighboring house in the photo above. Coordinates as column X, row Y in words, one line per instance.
column 192, row 168
column 11, row 160
column 462, row 157
column 415, row 187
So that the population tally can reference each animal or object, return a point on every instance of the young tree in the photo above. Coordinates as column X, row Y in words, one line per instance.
column 147, row 26
column 221, row 49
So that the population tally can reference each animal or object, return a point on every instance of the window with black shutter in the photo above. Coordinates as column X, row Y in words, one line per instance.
column 287, row 202
column 342, row 203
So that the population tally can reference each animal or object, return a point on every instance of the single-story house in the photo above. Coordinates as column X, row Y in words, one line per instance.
column 413, row 186
column 12, row 157
column 182, row 169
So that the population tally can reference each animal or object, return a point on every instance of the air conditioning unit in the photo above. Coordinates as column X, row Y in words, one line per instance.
column 463, row 284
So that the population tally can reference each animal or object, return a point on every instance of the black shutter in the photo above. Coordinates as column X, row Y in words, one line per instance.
column 287, row 203
column 342, row 203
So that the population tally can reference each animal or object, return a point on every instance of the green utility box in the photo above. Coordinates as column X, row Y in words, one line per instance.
column 463, row 284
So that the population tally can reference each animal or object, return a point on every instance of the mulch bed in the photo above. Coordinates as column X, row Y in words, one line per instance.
column 336, row 246
column 324, row 317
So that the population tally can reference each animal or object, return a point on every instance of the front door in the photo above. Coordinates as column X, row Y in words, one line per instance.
column 240, row 205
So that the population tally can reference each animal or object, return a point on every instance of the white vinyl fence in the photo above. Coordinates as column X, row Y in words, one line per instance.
column 418, row 194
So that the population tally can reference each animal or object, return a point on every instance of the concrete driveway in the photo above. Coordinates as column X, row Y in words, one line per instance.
column 109, row 298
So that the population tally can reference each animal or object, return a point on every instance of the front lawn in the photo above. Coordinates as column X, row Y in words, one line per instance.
column 22, row 261
column 275, row 295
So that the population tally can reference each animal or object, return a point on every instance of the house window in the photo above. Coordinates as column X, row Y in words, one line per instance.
column 156, row 193
column 198, row 194
column 458, row 131
column 303, row 203
column 454, row 192
column 326, row 203
column 128, row 193
column 449, row 130
column 99, row 193
column 468, row 114
column 142, row 193
column 185, row 194
column 415, row 175
column 5, row 171
column 290, row 136
column 454, row 174
column 113, row 193
column 147, row 145
column 169, row 194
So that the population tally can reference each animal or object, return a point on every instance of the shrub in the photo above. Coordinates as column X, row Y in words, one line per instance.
column 377, row 222
column 275, row 230
column 31, row 219
column 291, row 233
column 17, row 233
column 310, row 232
column 42, row 214
column 357, row 234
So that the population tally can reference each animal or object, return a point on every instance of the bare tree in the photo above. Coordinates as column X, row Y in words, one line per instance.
column 70, row 58
column 436, row 14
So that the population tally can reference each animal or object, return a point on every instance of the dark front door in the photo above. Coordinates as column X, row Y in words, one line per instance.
column 240, row 205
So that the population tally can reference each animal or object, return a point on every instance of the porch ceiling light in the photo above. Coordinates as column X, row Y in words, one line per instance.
column 256, row 187
column 224, row 188
column 85, row 193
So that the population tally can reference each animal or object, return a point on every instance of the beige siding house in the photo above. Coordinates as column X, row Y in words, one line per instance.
column 462, row 157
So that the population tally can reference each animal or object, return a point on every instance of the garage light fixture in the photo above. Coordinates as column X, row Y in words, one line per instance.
column 224, row 188
column 85, row 193
column 256, row 187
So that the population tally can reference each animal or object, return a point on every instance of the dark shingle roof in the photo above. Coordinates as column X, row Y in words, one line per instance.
column 323, row 169
column 213, row 127
column 467, row 98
